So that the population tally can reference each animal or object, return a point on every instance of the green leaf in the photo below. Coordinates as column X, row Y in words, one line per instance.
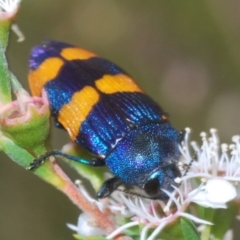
column 23, row 158
column 5, row 26
column 78, row 237
column 133, row 232
column 173, row 231
column 5, row 89
column 223, row 220
column 189, row 230
column 206, row 214
column 182, row 229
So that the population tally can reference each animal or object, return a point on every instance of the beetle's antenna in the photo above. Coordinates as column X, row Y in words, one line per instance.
column 188, row 166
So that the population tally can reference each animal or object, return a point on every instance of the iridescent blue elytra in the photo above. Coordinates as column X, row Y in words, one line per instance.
column 106, row 113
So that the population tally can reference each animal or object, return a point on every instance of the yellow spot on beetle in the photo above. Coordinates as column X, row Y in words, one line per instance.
column 74, row 113
column 47, row 71
column 118, row 83
column 76, row 53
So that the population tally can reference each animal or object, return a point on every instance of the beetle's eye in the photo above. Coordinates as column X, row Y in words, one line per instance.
column 152, row 187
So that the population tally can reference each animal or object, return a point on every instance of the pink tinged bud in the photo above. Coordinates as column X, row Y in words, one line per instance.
column 25, row 120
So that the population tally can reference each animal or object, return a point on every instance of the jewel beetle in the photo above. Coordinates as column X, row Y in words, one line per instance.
column 105, row 112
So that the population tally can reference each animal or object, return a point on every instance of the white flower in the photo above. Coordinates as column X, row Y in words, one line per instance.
column 8, row 10
column 9, row 5
column 215, row 193
column 142, row 211
column 85, row 226
column 218, row 168
column 209, row 181
column 145, row 212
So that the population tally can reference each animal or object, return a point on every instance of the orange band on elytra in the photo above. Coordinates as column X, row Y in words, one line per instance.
column 116, row 83
column 72, row 115
column 76, row 53
column 46, row 71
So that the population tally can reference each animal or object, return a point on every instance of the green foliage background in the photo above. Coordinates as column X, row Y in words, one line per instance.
column 185, row 54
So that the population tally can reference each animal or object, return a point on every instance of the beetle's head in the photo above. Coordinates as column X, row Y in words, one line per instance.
column 164, row 178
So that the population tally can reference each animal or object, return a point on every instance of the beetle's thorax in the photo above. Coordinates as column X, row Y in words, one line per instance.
column 142, row 151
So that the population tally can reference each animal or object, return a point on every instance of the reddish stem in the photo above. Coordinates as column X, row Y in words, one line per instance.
column 82, row 202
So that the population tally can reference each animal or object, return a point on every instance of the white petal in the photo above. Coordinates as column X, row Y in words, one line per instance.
column 10, row 5
column 220, row 191
column 200, row 196
column 85, row 227
column 72, row 227
column 228, row 235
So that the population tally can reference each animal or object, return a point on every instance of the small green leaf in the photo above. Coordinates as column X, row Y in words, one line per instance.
column 5, row 26
column 182, row 229
column 173, row 231
column 76, row 236
column 5, row 89
column 133, row 232
column 223, row 220
column 23, row 158
column 189, row 230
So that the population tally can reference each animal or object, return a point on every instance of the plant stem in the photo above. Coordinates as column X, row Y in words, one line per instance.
column 82, row 202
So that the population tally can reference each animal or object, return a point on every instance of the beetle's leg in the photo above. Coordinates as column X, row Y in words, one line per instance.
column 96, row 162
column 108, row 187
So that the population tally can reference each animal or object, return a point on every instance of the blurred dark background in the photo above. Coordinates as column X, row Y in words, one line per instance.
column 185, row 54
